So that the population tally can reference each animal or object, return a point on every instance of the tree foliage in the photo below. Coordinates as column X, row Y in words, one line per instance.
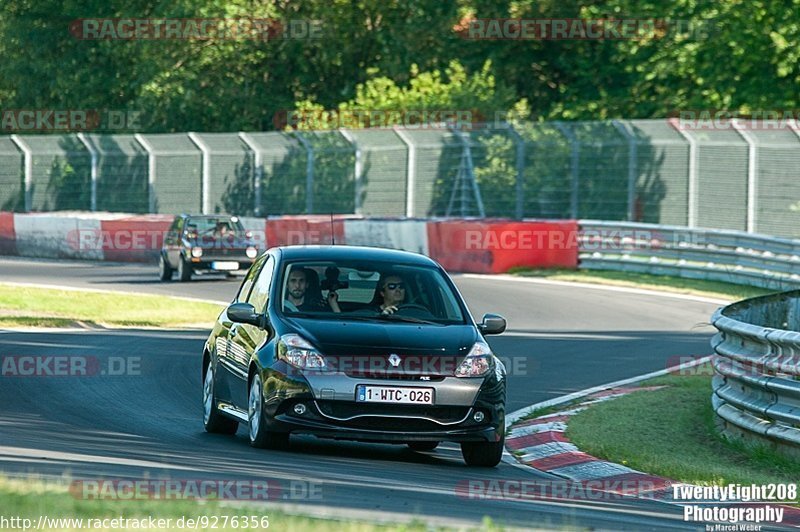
column 380, row 54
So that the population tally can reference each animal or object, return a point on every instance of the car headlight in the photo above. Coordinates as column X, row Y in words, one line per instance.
column 197, row 252
column 478, row 363
column 251, row 252
column 299, row 353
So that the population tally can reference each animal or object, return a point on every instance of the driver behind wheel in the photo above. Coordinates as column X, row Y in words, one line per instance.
column 389, row 294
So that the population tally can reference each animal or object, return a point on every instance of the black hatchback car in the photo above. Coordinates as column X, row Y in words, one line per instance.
column 205, row 242
column 355, row 343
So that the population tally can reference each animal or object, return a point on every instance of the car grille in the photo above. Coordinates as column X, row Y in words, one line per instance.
column 384, row 417
column 356, row 374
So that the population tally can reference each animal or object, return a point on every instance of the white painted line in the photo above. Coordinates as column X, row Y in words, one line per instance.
column 546, row 450
column 590, row 286
column 117, row 292
column 522, row 412
column 527, row 430
column 591, row 470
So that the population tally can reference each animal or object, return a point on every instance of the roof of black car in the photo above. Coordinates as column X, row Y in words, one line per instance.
column 339, row 252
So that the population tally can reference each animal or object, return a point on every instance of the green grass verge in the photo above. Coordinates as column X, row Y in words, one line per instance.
column 671, row 432
column 642, row 280
column 31, row 499
column 51, row 307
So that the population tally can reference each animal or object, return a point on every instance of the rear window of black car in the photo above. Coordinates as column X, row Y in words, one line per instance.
column 427, row 293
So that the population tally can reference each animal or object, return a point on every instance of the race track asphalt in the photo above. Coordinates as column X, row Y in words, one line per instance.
column 147, row 421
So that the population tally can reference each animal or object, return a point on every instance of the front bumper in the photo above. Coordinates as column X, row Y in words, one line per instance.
column 332, row 412
column 295, row 425
column 221, row 264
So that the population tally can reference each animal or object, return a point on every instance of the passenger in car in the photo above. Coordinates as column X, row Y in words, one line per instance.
column 300, row 295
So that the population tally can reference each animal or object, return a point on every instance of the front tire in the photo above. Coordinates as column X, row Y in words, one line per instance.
column 165, row 271
column 184, row 270
column 260, row 435
column 213, row 420
column 483, row 453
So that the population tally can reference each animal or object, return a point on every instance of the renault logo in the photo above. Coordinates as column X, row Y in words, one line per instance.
column 394, row 360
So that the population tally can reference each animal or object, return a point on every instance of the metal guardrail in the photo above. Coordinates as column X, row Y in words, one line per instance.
column 757, row 369
column 718, row 255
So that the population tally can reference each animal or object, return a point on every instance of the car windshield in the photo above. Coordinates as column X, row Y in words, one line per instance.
column 418, row 294
column 209, row 226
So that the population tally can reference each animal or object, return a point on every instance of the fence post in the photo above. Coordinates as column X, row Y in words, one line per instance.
column 633, row 166
column 468, row 173
column 692, row 192
column 28, row 163
column 794, row 126
column 309, row 172
column 205, row 178
column 519, row 144
column 94, row 170
column 151, row 172
column 258, row 173
column 752, row 177
column 411, row 171
column 358, row 168
column 574, row 166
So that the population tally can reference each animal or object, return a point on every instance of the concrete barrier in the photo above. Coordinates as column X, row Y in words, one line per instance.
column 475, row 246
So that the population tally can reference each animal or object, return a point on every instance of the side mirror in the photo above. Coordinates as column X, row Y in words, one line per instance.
column 244, row 313
column 492, row 324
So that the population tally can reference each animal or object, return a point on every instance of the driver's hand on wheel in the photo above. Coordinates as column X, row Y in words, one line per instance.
column 391, row 309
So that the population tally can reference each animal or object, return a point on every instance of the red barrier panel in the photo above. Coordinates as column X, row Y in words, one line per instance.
column 304, row 230
column 135, row 239
column 497, row 246
column 8, row 239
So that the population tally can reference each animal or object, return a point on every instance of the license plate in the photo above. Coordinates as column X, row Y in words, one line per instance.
column 394, row 394
column 224, row 266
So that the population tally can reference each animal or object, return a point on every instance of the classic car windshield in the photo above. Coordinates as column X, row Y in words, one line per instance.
column 417, row 292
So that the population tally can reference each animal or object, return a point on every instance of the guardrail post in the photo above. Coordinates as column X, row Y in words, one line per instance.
column 205, row 179
column 358, row 168
column 633, row 166
column 411, row 170
column 258, row 173
column 94, row 170
column 309, row 172
column 575, row 161
column 752, row 176
column 151, row 172
column 520, row 164
column 692, row 206
column 28, row 164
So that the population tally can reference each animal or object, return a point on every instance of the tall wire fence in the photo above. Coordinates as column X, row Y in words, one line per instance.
column 650, row 171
